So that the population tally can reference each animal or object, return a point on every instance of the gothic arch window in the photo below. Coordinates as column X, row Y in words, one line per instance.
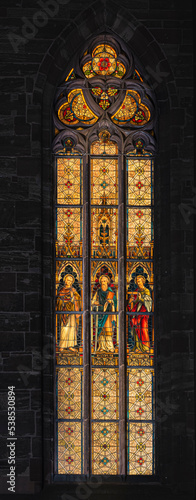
column 105, row 141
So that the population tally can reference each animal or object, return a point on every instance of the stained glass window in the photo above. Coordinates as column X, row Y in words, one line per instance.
column 104, row 149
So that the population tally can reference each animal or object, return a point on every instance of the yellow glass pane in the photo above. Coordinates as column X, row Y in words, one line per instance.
column 69, row 181
column 105, row 393
column 140, row 397
column 104, row 232
column 132, row 110
column 104, row 48
column 140, row 448
column 104, row 181
column 105, row 451
column 104, row 146
column 69, row 232
column 76, row 109
column 139, row 233
column 69, row 447
column 69, row 403
column 139, row 181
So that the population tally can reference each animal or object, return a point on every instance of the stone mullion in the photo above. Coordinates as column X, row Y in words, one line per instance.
column 86, row 315
column 122, row 319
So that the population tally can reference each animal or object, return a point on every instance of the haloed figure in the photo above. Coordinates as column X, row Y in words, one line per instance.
column 105, row 301
column 68, row 300
column 141, row 302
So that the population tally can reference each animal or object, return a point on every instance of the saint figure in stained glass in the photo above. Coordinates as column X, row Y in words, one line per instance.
column 68, row 300
column 105, row 300
column 140, row 301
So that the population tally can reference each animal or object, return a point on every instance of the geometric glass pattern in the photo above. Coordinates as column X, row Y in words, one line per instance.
column 139, row 232
column 139, row 181
column 140, row 308
column 105, row 393
column 140, row 437
column 69, row 393
column 104, row 181
column 69, row 447
column 69, row 232
column 140, row 398
column 69, row 180
column 69, row 407
column 105, row 450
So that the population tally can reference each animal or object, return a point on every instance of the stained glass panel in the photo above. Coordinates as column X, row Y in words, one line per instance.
column 140, row 439
column 76, row 110
column 139, row 233
column 104, row 181
column 69, row 232
column 104, row 145
column 69, row 180
column 69, row 393
column 105, row 394
column 104, row 62
column 69, row 305
column 105, row 448
column 104, row 231
column 132, row 110
column 140, row 397
column 70, row 452
column 140, row 324
column 139, row 181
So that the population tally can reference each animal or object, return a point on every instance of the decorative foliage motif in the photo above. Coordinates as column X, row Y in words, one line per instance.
column 105, row 451
column 104, row 98
column 69, row 232
column 70, row 447
column 140, row 448
column 140, row 232
column 104, row 232
column 132, row 110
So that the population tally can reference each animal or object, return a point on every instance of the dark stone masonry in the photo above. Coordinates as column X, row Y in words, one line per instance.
column 38, row 39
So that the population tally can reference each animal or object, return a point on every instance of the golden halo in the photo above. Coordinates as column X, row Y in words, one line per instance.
column 71, row 276
column 140, row 276
column 104, row 276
